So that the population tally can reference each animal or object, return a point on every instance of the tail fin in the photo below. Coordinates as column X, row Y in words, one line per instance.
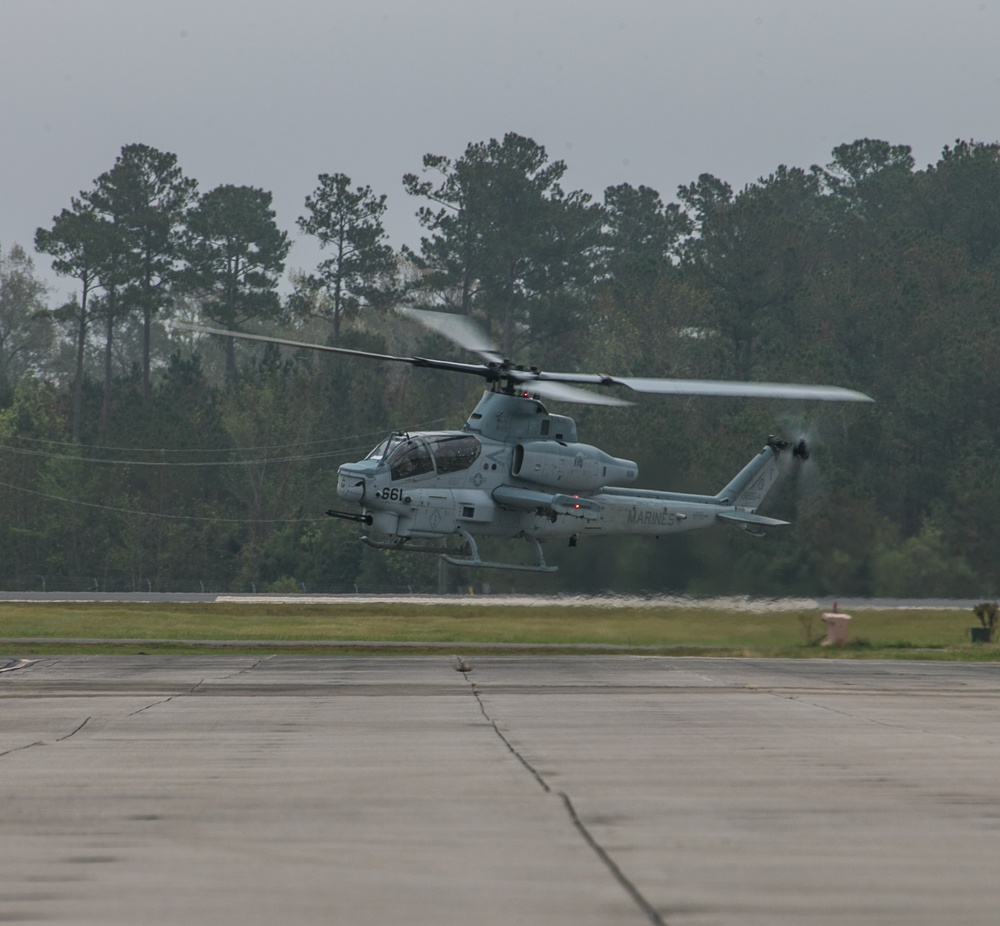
column 754, row 481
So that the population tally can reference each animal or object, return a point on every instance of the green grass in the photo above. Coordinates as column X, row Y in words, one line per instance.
column 925, row 634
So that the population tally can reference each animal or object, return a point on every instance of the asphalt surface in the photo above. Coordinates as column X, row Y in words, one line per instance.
column 483, row 790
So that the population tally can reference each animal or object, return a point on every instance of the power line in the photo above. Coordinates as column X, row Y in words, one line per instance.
column 114, row 462
column 367, row 435
column 340, row 452
column 262, row 449
column 156, row 514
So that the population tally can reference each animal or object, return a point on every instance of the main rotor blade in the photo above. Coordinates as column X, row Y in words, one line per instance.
column 565, row 393
column 477, row 369
column 463, row 331
column 733, row 389
column 459, row 329
column 741, row 390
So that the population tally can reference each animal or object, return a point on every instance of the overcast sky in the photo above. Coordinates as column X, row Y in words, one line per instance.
column 271, row 93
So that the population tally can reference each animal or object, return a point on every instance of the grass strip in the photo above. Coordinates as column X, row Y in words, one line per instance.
column 688, row 630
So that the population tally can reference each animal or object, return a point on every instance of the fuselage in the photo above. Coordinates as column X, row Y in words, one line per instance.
column 514, row 470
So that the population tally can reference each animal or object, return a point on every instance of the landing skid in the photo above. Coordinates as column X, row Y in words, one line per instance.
column 402, row 545
column 473, row 558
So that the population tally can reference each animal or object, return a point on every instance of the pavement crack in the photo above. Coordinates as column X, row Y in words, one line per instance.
column 874, row 721
column 150, row 706
column 246, row 669
column 58, row 739
column 510, row 746
column 73, row 732
column 623, row 880
column 22, row 748
column 651, row 912
column 201, row 683
column 12, row 665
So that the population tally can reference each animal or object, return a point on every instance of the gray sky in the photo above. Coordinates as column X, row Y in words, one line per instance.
column 654, row 92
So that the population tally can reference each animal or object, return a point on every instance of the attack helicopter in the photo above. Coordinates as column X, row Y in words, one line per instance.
column 517, row 470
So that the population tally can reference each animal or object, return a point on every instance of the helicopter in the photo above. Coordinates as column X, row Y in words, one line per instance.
column 517, row 470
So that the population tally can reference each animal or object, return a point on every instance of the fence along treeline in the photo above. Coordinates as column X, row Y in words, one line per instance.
column 137, row 457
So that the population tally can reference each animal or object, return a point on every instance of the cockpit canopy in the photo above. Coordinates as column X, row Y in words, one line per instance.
column 409, row 455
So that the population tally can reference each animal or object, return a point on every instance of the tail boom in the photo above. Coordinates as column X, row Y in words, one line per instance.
column 650, row 512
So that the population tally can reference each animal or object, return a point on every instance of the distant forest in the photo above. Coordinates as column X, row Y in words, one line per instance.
column 137, row 456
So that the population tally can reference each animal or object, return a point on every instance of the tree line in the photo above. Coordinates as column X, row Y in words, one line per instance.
column 135, row 455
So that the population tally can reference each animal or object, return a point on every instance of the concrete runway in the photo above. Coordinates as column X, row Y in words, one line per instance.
column 528, row 790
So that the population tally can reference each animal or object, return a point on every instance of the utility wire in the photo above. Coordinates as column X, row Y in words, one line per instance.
column 112, row 462
column 367, row 435
column 340, row 452
column 156, row 514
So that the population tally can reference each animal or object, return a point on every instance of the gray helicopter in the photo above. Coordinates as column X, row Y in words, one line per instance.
column 518, row 471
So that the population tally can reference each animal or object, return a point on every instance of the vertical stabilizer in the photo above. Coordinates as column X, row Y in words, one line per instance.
column 754, row 481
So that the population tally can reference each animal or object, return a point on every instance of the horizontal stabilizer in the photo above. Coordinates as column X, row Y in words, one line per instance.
column 749, row 517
